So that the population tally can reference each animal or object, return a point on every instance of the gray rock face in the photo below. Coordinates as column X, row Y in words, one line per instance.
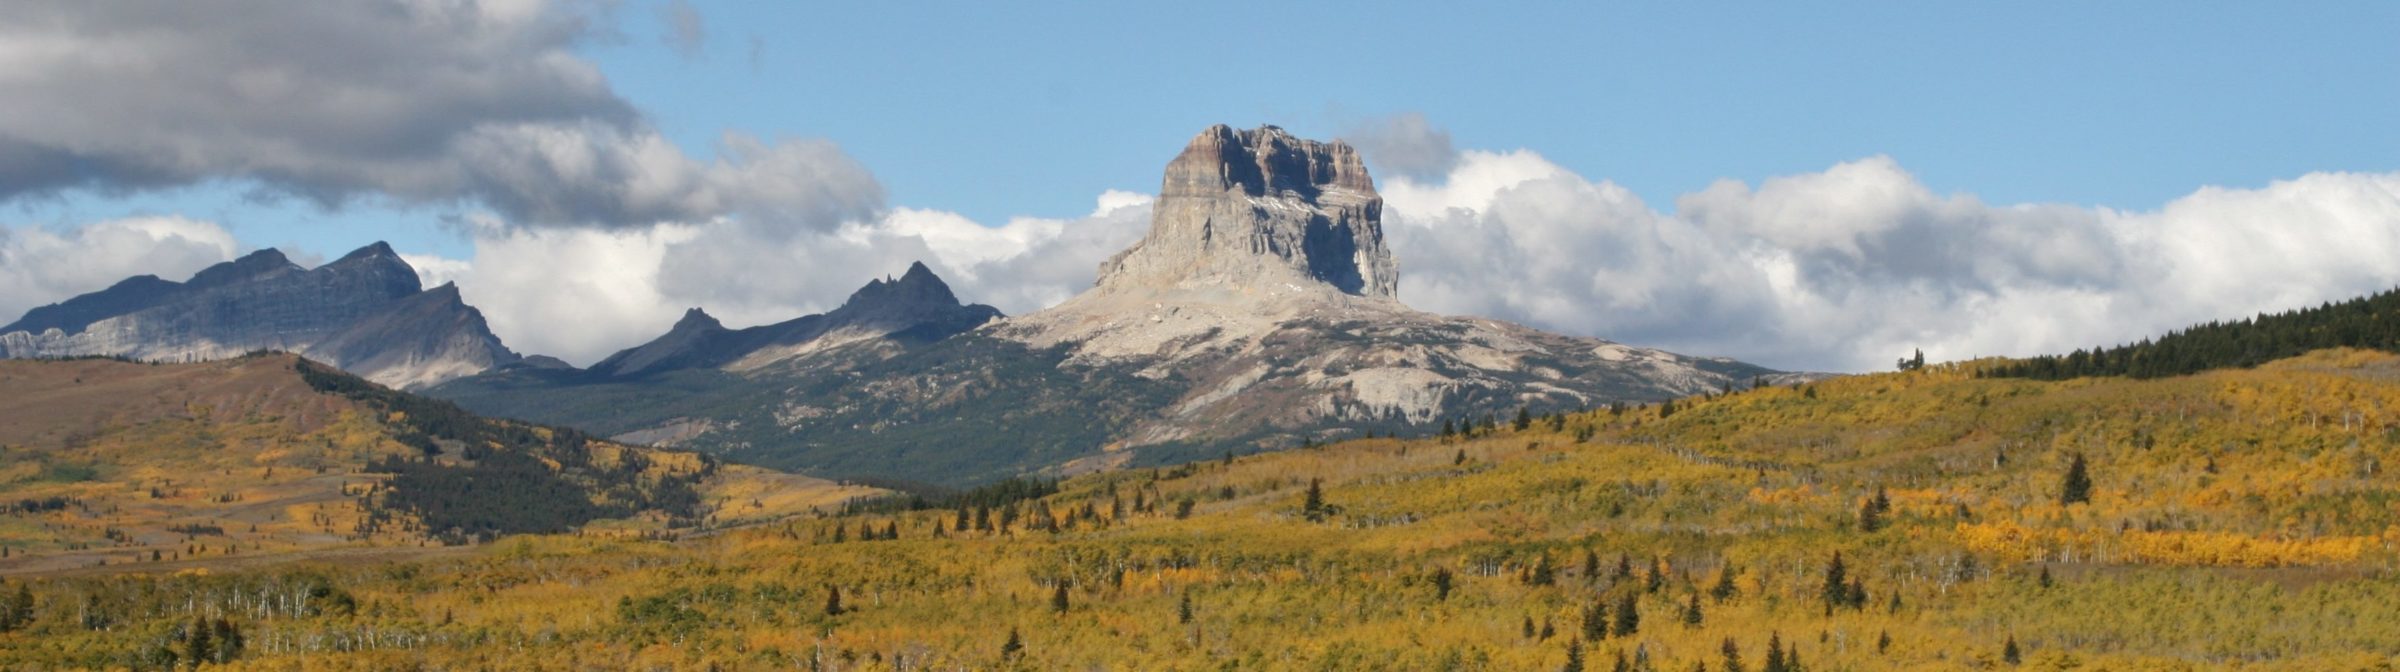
column 916, row 306
column 1250, row 212
column 365, row 313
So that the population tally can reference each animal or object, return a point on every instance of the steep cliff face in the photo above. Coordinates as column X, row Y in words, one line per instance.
column 1260, row 213
column 364, row 312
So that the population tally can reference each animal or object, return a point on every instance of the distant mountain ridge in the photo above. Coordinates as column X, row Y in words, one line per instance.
column 1260, row 311
column 366, row 313
column 916, row 305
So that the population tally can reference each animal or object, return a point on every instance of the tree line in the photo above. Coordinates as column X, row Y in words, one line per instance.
column 2369, row 322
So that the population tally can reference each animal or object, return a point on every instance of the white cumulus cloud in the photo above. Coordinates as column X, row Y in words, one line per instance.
column 1848, row 268
column 39, row 266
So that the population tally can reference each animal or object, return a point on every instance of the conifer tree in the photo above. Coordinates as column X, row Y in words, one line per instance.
column 1524, row 420
column 1733, row 655
column 1183, row 610
column 1595, row 621
column 1629, row 616
column 1441, row 584
column 2009, row 652
column 1883, row 641
column 2044, row 581
column 1871, row 514
column 1543, row 574
column 1014, row 647
column 833, row 601
column 1058, row 599
column 1837, row 584
column 1691, row 612
column 1656, row 578
column 1591, row 565
column 2077, row 489
column 1574, row 657
column 1725, row 589
column 1314, row 507
column 1775, row 661
column 200, row 643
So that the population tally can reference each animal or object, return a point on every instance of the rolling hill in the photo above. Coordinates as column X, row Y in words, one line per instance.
column 113, row 461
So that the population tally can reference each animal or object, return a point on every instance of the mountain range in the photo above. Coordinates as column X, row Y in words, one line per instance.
column 1261, row 311
column 365, row 313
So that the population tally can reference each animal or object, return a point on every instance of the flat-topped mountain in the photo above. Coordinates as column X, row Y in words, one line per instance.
column 1259, row 213
column 365, row 313
column 1261, row 310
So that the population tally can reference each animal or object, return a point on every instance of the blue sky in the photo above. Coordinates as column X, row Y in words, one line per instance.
column 998, row 110
column 1861, row 139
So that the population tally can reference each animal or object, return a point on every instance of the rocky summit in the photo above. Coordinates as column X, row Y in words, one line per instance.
column 365, row 312
column 1259, row 213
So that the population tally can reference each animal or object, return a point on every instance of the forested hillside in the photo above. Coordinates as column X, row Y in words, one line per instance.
column 2371, row 322
column 1931, row 519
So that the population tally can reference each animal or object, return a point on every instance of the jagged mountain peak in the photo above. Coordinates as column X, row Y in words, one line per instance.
column 696, row 319
column 915, row 287
column 377, row 249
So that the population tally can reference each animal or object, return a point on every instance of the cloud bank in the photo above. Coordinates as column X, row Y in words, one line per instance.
column 40, row 267
column 621, row 287
column 1850, row 268
column 417, row 101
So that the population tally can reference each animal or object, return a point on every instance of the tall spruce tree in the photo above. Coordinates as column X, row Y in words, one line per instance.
column 1313, row 507
column 1837, row 584
column 1775, row 660
column 1595, row 621
column 2077, row 488
column 1628, row 616
column 1725, row 589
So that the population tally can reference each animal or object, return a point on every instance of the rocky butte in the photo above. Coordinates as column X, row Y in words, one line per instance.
column 1265, row 282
